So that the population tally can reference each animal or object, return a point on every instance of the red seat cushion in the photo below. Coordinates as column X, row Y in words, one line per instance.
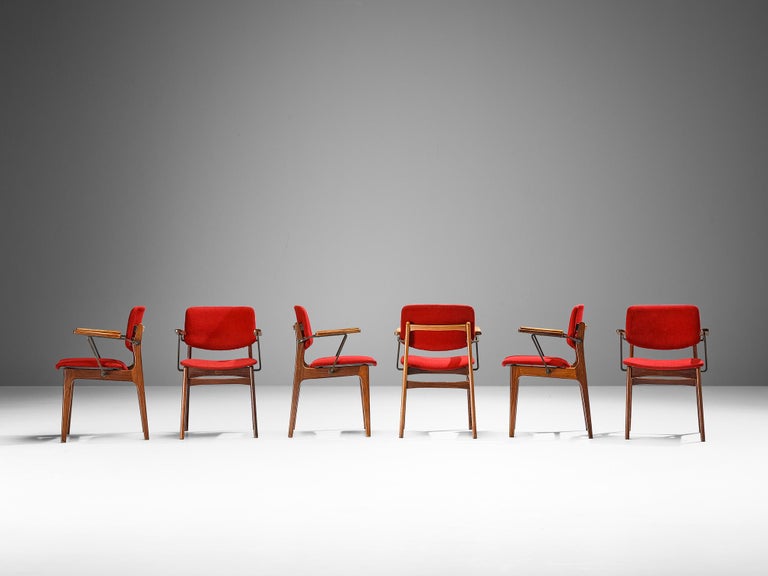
column 656, row 364
column 535, row 361
column 343, row 361
column 437, row 364
column 91, row 363
column 232, row 364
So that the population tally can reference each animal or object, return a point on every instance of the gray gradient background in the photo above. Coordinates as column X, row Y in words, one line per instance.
column 357, row 156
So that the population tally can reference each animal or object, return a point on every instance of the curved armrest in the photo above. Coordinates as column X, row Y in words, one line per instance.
column 98, row 333
column 336, row 332
column 542, row 331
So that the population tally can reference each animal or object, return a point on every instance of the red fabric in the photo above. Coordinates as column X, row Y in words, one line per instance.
column 343, row 361
column 90, row 363
column 577, row 315
column 134, row 318
column 438, row 364
column 656, row 364
column 663, row 327
column 232, row 364
column 302, row 317
column 437, row 314
column 535, row 361
column 220, row 327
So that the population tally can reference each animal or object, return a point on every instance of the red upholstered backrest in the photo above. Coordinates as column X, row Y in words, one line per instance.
column 437, row 314
column 577, row 315
column 220, row 327
column 306, row 329
column 663, row 327
column 134, row 318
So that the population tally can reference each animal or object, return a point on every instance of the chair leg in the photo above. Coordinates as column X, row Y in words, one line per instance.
column 294, row 404
column 469, row 411
column 253, row 407
column 700, row 404
column 403, row 398
column 514, row 389
column 66, row 405
column 365, row 395
column 585, row 404
column 184, row 405
column 472, row 408
column 70, row 402
column 628, row 412
column 142, row 404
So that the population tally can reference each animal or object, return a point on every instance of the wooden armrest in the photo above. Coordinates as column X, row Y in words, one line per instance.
column 115, row 334
column 336, row 332
column 541, row 331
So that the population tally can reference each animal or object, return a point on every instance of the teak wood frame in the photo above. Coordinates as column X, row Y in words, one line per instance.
column 199, row 376
column 134, row 374
column 303, row 371
column 576, row 371
column 467, row 384
column 639, row 376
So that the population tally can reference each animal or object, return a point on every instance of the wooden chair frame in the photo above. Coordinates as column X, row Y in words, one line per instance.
column 639, row 376
column 467, row 384
column 198, row 377
column 576, row 371
column 134, row 374
column 303, row 371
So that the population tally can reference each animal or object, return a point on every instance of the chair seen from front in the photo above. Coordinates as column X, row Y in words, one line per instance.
column 337, row 366
column 106, row 369
column 436, row 332
column 215, row 329
column 660, row 329
column 543, row 366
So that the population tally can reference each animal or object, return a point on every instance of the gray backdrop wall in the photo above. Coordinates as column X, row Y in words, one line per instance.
column 355, row 156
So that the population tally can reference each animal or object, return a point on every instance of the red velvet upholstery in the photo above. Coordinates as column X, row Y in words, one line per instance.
column 302, row 317
column 134, row 318
column 91, row 363
column 342, row 361
column 232, row 364
column 535, row 361
column 437, row 364
column 663, row 327
column 437, row 314
column 658, row 364
column 577, row 315
column 220, row 327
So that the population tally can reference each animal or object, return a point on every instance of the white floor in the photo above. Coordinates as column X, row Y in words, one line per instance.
column 331, row 501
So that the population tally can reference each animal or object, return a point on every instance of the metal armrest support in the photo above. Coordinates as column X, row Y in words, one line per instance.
column 704, row 334
column 180, row 334
column 257, row 333
column 622, row 336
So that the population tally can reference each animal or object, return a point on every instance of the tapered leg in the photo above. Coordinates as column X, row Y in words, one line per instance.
column 628, row 414
column 184, row 404
column 365, row 394
column 469, row 410
column 70, row 401
column 253, row 407
column 294, row 404
column 472, row 409
column 142, row 404
column 700, row 404
column 585, row 404
column 66, row 405
column 403, row 397
column 514, row 388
